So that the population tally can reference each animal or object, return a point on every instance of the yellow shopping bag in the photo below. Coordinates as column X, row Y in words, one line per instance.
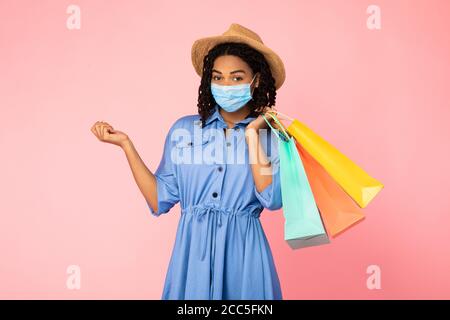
column 357, row 183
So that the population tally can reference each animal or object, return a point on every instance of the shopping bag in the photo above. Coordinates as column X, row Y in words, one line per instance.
column 353, row 179
column 338, row 210
column 303, row 225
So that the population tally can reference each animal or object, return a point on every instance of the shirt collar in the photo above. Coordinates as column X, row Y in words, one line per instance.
column 217, row 116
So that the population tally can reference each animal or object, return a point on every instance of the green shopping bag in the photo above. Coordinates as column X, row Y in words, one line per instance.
column 303, row 224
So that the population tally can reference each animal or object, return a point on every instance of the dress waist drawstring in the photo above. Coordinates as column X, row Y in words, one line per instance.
column 216, row 214
column 213, row 216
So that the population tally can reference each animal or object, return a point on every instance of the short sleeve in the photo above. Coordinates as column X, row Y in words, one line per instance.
column 165, row 174
column 270, row 197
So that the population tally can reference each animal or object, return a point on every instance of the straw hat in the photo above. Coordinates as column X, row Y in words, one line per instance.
column 238, row 33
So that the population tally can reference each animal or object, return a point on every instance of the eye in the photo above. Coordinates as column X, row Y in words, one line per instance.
column 217, row 78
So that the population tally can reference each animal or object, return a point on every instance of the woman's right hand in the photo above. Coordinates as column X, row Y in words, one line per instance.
column 106, row 133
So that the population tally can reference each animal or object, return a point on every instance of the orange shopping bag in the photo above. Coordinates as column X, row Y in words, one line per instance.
column 337, row 209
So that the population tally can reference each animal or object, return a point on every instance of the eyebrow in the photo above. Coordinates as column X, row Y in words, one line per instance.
column 235, row 71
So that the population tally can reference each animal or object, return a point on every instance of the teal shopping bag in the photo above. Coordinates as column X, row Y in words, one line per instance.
column 303, row 224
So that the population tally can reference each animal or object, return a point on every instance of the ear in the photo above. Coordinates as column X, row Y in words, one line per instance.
column 257, row 80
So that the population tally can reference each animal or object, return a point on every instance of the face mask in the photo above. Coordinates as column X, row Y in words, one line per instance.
column 232, row 98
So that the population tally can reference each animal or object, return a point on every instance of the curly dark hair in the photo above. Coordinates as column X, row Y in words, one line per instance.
column 263, row 96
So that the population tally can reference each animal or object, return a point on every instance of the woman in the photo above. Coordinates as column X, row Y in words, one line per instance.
column 220, row 250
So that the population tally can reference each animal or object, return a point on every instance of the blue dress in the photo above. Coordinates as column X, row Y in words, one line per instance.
column 221, row 251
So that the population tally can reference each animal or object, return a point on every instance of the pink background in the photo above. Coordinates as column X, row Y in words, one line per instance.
column 380, row 96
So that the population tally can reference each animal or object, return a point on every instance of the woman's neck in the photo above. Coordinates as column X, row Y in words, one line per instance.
column 232, row 117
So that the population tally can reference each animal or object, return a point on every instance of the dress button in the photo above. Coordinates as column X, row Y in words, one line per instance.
column 237, row 129
column 189, row 143
column 228, row 144
column 214, row 194
column 220, row 169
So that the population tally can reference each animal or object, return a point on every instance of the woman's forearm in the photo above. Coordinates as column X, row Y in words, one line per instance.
column 261, row 167
column 144, row 178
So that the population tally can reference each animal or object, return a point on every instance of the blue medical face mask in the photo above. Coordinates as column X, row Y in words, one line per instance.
column 232, row 98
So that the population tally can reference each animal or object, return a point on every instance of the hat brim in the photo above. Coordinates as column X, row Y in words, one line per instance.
column 201, row 47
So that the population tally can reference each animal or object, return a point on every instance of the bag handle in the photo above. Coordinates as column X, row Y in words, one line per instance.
column 273, row 129
column 274, row 117
column 277, row 132
column 284, row 115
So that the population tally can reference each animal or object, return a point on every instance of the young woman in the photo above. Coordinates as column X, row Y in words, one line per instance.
column 216, row 164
